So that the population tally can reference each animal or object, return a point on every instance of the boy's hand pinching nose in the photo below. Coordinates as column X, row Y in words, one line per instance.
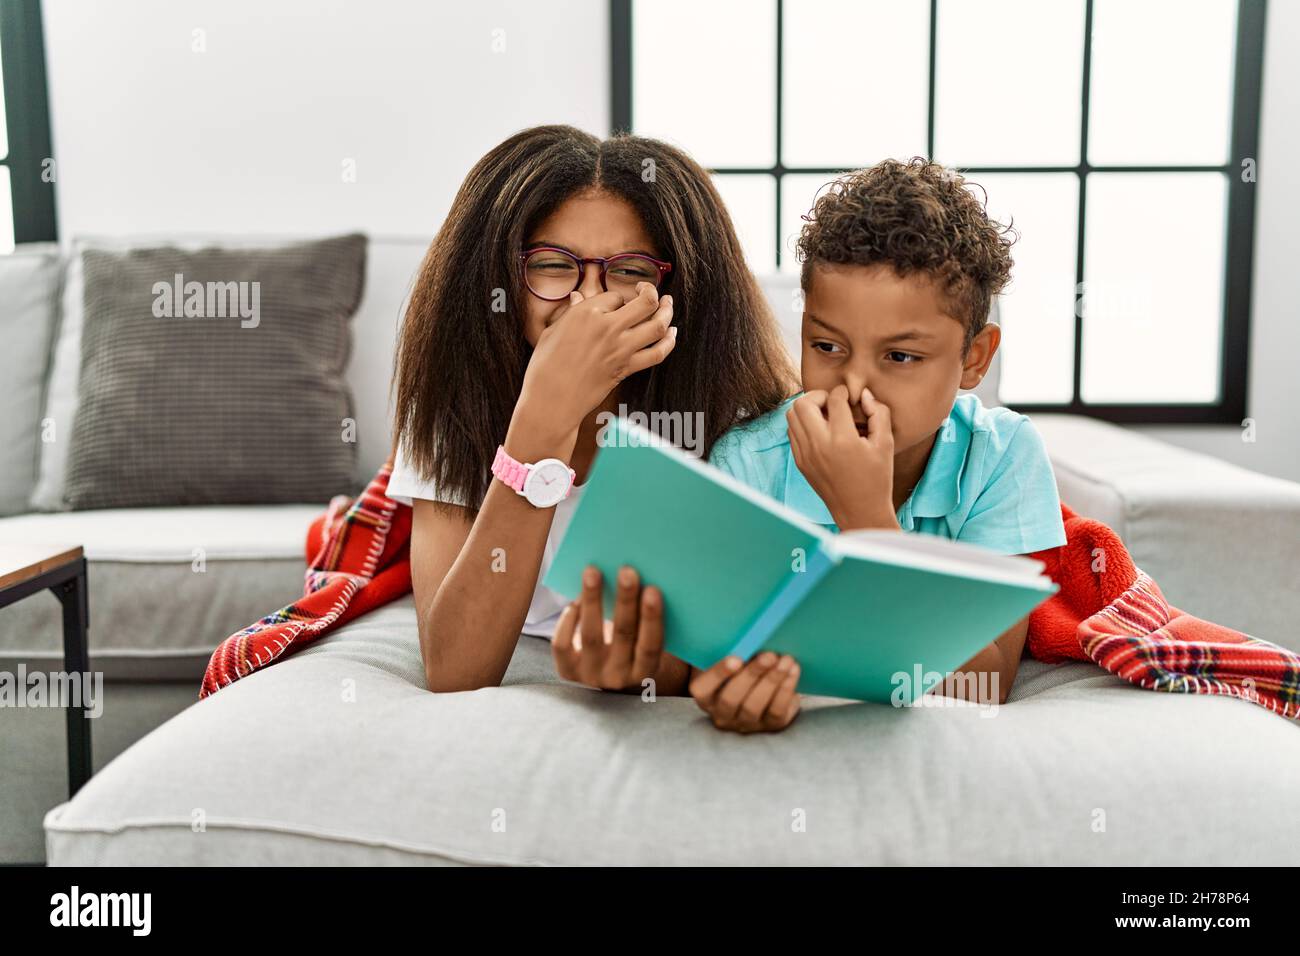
column 848, row 459
column 747, row 698
column 610, row 655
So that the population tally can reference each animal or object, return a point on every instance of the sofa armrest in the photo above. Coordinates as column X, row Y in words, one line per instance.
column 1222, row 542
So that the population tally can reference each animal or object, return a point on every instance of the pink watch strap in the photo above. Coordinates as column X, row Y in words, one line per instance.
column 508, row 470
column 515, row 473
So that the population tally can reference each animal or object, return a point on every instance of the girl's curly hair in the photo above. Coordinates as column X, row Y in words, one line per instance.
column 916, row 216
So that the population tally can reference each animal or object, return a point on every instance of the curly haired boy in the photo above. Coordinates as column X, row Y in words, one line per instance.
column 900, row 263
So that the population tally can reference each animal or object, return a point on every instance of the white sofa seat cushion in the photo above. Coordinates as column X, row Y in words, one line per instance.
column 166, row 584
column 339, row 755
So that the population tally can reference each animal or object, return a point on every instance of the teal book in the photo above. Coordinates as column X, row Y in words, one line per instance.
column 869, row 615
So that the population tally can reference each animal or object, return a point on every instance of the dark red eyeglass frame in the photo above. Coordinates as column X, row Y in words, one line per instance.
column 663, row 267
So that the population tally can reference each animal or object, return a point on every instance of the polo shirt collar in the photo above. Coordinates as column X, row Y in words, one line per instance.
column 938, row 493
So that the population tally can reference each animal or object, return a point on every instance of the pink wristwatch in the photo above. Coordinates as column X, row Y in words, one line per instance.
column 544, row 484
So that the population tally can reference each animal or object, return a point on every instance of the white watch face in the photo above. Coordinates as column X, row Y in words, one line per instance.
column 547, row 483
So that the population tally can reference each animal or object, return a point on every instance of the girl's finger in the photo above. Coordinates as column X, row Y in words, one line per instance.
column 726, row 704
column 562, row 642
column 650, row 633
column 705, row 685
column 624, row 628
column 652, row 354
column 649, row 332
column 638, row 308
column 592, row 630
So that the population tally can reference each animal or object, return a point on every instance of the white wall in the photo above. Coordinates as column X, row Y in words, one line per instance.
column 250, row 136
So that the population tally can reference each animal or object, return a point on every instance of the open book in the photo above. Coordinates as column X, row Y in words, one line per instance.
column 869, row 615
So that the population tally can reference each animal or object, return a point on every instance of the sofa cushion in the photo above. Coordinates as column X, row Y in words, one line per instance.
column 391, row 267
column 29, row 285
column 338, row 755
column 167, row 585
column 215, row 376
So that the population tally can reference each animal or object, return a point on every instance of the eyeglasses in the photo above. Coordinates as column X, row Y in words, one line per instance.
column 551, row 273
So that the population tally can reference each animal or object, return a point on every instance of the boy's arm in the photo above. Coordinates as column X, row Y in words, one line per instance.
column 1001, row 658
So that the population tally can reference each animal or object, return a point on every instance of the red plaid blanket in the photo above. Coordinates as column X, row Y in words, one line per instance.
column 1107, row 610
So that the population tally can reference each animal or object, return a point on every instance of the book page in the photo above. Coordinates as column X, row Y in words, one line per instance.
column 935, row 551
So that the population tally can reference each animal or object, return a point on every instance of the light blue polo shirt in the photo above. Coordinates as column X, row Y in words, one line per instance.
column 988, row 480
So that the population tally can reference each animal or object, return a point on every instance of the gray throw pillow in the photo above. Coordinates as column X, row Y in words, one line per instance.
column 216, row 376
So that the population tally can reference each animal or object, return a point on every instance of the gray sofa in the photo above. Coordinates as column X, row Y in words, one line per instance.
column 339, row 755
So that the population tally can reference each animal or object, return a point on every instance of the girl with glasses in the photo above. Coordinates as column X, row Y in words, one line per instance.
column 572, row 276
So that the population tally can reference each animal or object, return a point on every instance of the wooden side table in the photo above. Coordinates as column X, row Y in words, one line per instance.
column 26, row 569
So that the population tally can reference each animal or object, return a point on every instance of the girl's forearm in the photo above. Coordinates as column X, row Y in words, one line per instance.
column 473, row 623
column 474, row 620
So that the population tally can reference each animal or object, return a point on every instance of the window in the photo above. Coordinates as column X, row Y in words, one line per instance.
column 26, row 171
column 1120, row 135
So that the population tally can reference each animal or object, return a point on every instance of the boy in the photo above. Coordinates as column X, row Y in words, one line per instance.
column 900, row 266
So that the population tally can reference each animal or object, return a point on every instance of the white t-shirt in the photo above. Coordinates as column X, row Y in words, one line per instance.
column 544, row 611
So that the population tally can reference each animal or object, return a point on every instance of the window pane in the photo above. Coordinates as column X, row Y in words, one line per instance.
column 1037, row 308
column 710, row 89
column 751, row 201
column 856, row 81
column 1008, row 81
column 1161, row 82
column 798, row 193
column 1153, row 287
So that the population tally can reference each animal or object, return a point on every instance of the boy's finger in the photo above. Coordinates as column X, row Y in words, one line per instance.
column 809, row 412
column 755, row 704
column 786, row 701
column 879, row 420
column 726, row 705
column 704, row 685
column 794, row 431
column 839, row 414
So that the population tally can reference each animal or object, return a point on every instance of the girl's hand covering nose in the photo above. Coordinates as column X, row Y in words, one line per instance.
column 595, row 344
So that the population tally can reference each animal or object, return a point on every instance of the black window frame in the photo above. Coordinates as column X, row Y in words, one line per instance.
column 27, row 121
column 1231, row 408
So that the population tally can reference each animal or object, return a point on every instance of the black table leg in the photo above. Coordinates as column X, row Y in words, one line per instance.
column 76, row 660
